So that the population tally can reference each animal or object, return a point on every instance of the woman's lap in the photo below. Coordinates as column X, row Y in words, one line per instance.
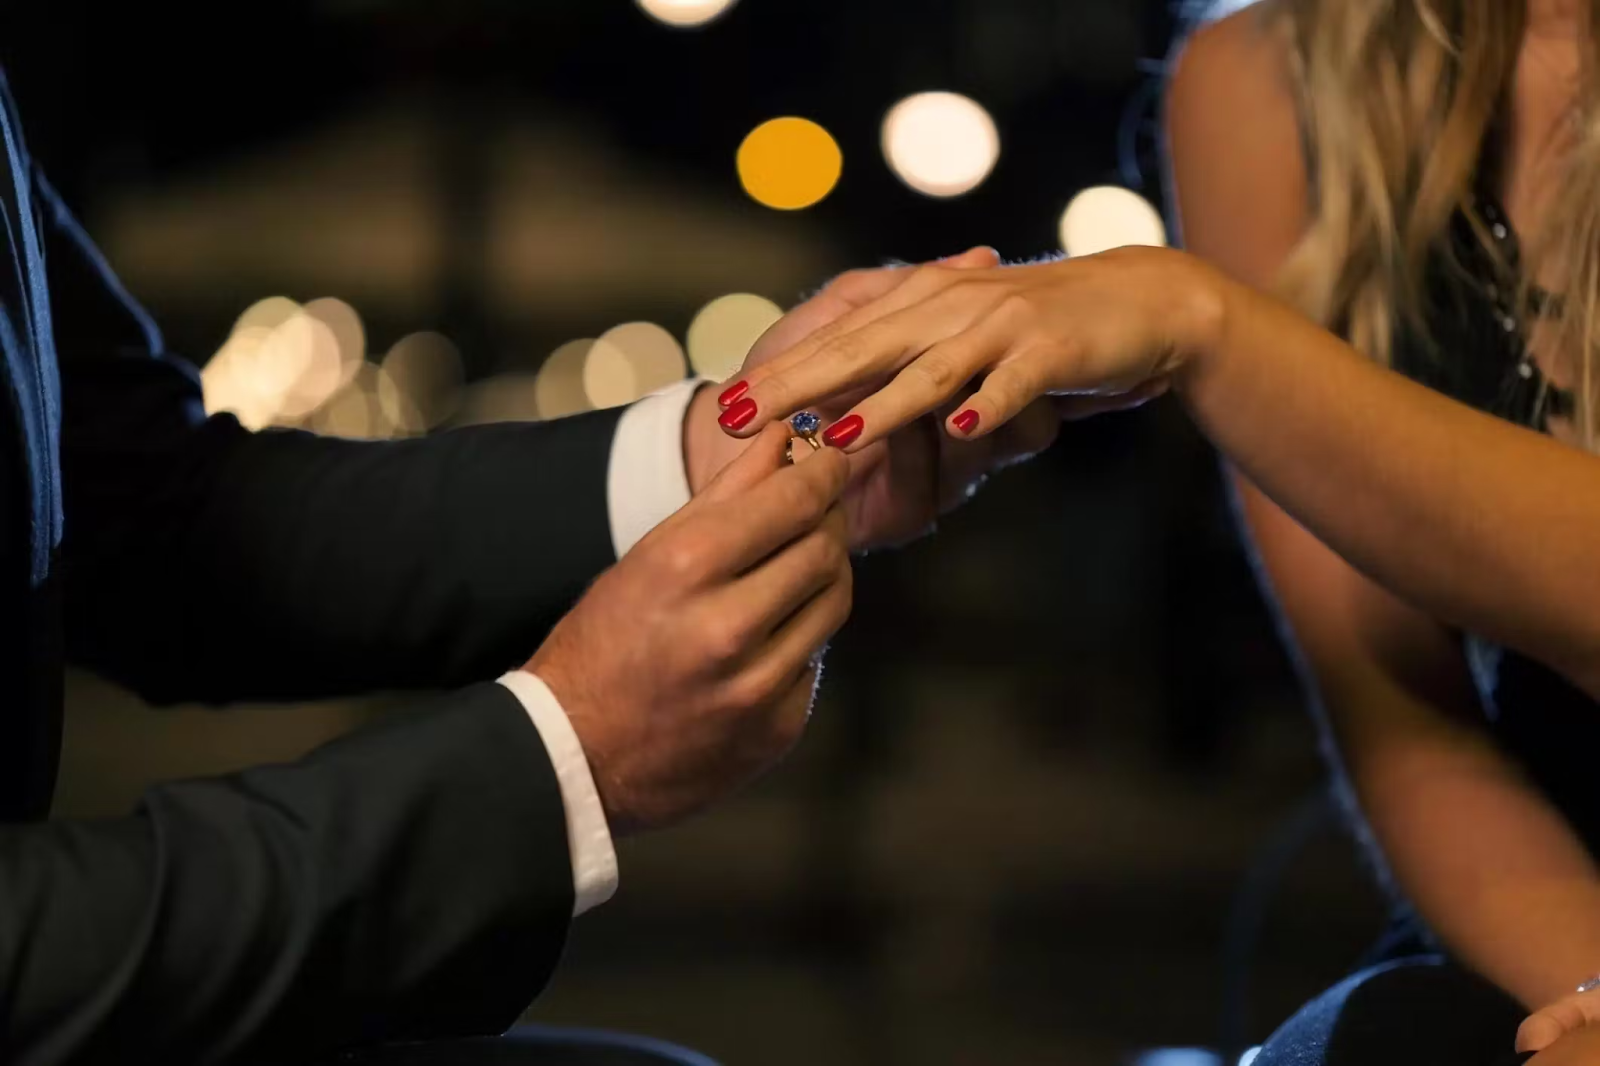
column 1413, row 1012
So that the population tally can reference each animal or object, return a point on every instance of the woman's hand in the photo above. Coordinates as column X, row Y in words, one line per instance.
column 1109, row 330
column 1566, row 1015
column 900, row 485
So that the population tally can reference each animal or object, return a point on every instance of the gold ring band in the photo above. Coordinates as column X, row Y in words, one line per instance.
column 788, row 452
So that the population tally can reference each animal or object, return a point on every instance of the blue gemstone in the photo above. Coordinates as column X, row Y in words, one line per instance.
column 805, row 423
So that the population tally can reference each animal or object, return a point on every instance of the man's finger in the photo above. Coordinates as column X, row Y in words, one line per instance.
column 763, row 458
column 743, row 530
column 775, row 590
column 801, row 638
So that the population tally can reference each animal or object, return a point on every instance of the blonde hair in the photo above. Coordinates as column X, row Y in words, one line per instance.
column 1399, row 98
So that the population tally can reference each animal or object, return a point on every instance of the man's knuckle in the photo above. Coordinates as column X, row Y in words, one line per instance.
column 788, row 729
column 810, row 497
column 723, row 640
column 854, row 286
column 1015, row 307
column 833, row 555
column 926, row 277
column 684, row 559
column 749, row 690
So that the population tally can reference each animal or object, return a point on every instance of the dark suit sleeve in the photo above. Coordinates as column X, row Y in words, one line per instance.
column 407, row 882
column 205, row 562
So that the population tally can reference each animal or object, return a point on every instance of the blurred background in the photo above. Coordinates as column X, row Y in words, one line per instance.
column 1062, row 802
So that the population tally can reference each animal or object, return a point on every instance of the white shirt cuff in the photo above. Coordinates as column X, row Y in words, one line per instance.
column 646, row 480
column 594, row 856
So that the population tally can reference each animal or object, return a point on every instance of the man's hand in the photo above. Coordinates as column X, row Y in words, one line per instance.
column 899, row 486
column 688, row 669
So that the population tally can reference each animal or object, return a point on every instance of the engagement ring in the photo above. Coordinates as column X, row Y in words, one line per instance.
column 805, row 426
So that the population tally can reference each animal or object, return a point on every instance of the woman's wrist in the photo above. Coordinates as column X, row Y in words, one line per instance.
column 1208, row 302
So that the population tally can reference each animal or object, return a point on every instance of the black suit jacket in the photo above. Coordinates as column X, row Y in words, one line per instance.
column 411, row 881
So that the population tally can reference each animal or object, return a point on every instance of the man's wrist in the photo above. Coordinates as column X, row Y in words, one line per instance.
column 647, row 479
column 593, row 854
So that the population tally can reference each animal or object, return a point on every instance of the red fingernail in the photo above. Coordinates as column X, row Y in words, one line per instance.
column 738, row 416
column 966, row 421
column 736, row 390
column 843, row 432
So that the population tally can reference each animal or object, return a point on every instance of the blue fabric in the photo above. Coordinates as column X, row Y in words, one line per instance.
column 27, row 336
column 1422, row 1011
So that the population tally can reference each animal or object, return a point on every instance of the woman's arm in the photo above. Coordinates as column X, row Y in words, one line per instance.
column 1483, row 524
column 1492, row 867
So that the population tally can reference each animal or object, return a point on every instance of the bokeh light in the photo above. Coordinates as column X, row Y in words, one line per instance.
column 305, row 370
column 1108, row 216
column 631, row 361
column 354, row 412
column 559, row 390
column 941, row 144
column 789, row 163
column 277, row 366
column 685, row 12
column 420, row 383
column 725, row 330
column 270, row 313
column 232, row 382
column 608, row 377
column 347, row 329
column 288, row 365
column 503, row 398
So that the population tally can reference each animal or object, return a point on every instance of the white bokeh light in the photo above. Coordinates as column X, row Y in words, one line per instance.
column 940, row 144
column 504, row 398
column 558, row 390
column 631, row 361
column 685, row 12
column 1108, row 216
column 283, row 363
column 420, row 385
column 725, row 330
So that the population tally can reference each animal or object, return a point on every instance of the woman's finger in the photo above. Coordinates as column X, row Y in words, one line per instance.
column 865, row 356
column 1547, row 1026
column 920, row 284
column 923, row 385
column 845, row 295
column 1015, row 382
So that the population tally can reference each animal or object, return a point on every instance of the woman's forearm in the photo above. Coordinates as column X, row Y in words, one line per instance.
column 1489, row 864
column 1486, row 525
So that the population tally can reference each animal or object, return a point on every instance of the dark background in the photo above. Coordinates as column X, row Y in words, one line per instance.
column 1055, row 739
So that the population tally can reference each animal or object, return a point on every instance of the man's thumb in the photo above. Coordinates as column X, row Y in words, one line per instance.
column 760, row 460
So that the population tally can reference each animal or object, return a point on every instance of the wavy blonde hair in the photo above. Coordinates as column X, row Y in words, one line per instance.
column 1399, row 98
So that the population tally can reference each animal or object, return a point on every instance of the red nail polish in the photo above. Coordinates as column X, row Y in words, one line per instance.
column 738, row 416
column 736, row 390
column 844, row 432
column 966, row 421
